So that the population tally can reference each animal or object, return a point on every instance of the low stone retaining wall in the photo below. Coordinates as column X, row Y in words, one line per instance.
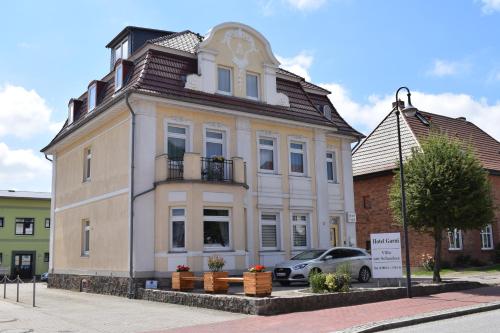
column 307, row 302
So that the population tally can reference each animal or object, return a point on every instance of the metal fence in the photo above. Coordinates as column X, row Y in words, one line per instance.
column 175, row 169
column 17, row 281
column 216, row 170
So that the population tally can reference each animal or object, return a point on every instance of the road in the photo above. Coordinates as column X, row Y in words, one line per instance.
column 480, row 322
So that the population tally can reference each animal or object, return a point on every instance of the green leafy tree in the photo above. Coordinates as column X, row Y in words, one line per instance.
column 446, row 188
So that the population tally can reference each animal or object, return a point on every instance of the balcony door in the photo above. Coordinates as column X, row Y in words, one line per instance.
column 215, row 144
column 214, row 165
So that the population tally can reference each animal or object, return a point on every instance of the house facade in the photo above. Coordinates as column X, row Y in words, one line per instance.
column 374, row 162
column 193, row 146
column 24, row 233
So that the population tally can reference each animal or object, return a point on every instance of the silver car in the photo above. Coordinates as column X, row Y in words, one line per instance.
column 298, row 268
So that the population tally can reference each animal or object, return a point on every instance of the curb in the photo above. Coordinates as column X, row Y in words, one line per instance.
column 420, row 319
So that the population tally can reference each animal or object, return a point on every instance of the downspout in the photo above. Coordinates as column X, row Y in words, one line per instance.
column 131, row 289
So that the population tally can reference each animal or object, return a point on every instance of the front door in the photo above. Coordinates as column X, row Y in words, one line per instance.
column 23, row 265
column 334, row 231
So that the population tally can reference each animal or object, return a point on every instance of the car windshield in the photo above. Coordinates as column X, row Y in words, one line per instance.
column 308, row 255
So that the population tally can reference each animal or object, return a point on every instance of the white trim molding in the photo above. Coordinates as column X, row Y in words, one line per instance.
column 93, row 199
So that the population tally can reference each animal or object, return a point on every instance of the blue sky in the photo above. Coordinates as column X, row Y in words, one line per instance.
column 448, row 52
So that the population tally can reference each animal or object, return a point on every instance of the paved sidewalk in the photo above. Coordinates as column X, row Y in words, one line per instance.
column 345, row 317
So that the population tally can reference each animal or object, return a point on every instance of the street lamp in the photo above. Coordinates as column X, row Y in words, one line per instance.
column 409, row 107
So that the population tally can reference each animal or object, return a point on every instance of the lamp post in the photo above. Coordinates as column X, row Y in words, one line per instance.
column 409, row 107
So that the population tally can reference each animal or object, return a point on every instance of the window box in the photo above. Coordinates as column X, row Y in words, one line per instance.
column 212, row 285
column 183, row 285
column 258, row 284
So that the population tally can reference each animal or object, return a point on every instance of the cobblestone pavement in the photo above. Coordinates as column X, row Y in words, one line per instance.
column 345, row 317
column 61, row 311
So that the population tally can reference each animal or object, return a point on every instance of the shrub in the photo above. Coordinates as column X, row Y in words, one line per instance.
column 216, row 263
column 330, row 282
column 427, row 262
column 317, row 282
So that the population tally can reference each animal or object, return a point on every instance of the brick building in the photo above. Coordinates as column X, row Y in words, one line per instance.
column 375, row 160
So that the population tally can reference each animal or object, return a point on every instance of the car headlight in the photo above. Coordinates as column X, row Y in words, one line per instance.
column 300, row 266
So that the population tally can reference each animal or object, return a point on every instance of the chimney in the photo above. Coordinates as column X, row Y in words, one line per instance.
column 401, row 104
column 462, row 118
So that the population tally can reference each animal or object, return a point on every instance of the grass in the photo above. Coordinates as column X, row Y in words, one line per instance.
column 446, row 271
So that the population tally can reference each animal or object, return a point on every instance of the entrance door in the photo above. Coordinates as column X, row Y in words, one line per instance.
column 23, row 265
column 334, row 231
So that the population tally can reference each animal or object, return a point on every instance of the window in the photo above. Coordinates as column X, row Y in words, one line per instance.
column 216, row 228
column 1, row 258
column 252, row 86
column 214, row 143
column 71, row 112
column 1, row 222
column 300, row 225
column 118, row 77
column 47, row 222
column 455, row 239
column 331, row 167
column 121, row 51
column 177, row 219
column 46, row 257
column 297, row 158
column 85, row 237
column 176, row 141
column 266, row 154
column 224, row 80
column 91, row 98
column 25, row 226
column 269, row 231
column 327, row 112
column 87, row 164
column 487, row 238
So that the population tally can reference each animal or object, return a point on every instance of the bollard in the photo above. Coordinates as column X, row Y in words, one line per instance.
column 34, row 285
column 4, row 285
column 17, row 282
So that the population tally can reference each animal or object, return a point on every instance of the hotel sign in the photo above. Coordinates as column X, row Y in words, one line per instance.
column 386, row 255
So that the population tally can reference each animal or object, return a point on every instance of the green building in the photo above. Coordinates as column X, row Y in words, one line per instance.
column 24, row 233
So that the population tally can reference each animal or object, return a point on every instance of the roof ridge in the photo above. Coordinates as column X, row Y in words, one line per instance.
column 175, row 34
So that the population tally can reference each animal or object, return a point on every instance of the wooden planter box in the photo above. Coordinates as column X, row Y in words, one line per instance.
column 179, row 284
column 258, row 284
column 212, row 285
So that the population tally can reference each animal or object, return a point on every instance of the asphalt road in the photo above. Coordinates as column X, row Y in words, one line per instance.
column 480, row 322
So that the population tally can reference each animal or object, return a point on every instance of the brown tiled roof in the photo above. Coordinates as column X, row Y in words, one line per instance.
column 185, row 41
column 486, row 148
column 164, row 74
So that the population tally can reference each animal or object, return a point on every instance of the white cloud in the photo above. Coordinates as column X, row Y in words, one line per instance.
column 306, row 4
column 442, row 68
column 365, row 116
column 23, row 169
column 490, row 6
column 23, row 113
column 298, row 64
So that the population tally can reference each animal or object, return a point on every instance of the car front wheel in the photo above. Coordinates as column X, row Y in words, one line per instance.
column 364, row 274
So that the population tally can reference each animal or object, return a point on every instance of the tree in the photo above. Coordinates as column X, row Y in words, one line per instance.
column 446, row 188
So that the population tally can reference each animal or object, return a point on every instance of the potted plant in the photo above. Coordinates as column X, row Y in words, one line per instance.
column 178, row 281
column 211, row 281
column 258, row 282
column 215, row 168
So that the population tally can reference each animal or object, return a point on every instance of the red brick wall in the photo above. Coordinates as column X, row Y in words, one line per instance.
column 374, row 216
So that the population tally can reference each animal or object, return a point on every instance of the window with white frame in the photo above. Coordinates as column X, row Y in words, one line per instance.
column 297, row 158
column 178, row 227
column 224, row 84
column 85, row 237
column 2, row 221
column 71, row 112
column 121, row 50
column 214, row 143
column 216, row 231
column 87, row 162
column 118, row 77
column 252, row 84
column 331, row 167
column 47, row 223
column 177, row 138
column 92, row 97
column 270, row 231
column 455, row 239
column 25, row 226
column 46, row 257
column 1, row 258
column 300, row 231
column 267, row 154
column 487, row 237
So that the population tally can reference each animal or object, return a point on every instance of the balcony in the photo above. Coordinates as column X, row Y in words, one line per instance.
column 193, row 167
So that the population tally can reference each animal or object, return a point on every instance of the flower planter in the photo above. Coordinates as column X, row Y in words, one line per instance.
column 258, row 284
column 214, row 286
column 183, row 285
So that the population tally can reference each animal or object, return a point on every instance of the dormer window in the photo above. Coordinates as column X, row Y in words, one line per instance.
column 91, row 97
column 119, row 76
column 71, row 112
column 121, row 50
column 252, row 86
column 224, row 83
column 327, row 112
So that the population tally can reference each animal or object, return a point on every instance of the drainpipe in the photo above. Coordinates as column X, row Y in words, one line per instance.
column 131, row 289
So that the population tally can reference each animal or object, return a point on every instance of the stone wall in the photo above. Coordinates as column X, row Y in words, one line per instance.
column 374, row 216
